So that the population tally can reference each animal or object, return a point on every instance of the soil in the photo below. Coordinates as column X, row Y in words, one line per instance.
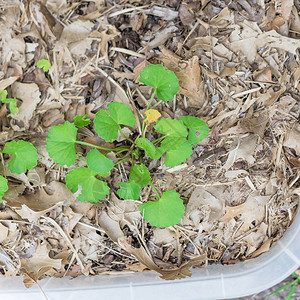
column 238, row 69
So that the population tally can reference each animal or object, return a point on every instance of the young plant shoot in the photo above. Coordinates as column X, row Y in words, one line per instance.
column 12, row 103
column 174, row 142
column 44, row 64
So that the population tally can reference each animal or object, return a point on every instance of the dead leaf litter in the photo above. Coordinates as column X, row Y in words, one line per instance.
column 238, row 67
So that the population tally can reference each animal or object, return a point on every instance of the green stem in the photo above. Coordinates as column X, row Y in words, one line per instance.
column 98, row 147
column 124, row 136
column 149, row 103
column 158, row 140
column 155, row 190
column 151, row 99
column 123, row 159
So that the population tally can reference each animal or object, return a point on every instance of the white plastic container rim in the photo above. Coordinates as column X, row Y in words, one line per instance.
column 211, row 282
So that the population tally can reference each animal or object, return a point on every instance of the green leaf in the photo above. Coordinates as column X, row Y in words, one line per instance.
column 178, row 155
column 24, row 158
column 129, row 190
column 165, row 81
column 61, row 143
column 3, row 187
column 151, row 151
column 92, row 189
column 291, row 292
column 44, row 64
column 198, row 129
column 175, row 132
column 283, row 287
column 81, row 121
column 12, row 105
column 140, row 175
column 99, row 163
column 107, row 125
column 3, row 95
column 165, row 212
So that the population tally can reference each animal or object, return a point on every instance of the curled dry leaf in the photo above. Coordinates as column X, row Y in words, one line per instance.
column 167, row 274
column 189, row 75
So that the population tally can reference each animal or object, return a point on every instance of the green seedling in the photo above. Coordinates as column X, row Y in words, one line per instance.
column 24, row 157
column 81, row 121
column 44, row 64
column 12, row 103
column 292, row 285
column 175, row 139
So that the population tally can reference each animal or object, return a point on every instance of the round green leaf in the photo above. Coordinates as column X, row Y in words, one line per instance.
column 140, row 175
column 165, row 81
column 24, row 158
column 81, row 121
column 61, row 143
column 97, row 162
column 3, row 187
column 165, row 212
column 175, row 132
column 107, row 125
column 129, row 190
column 91, row 188
column 198, row 129
column 178, row 155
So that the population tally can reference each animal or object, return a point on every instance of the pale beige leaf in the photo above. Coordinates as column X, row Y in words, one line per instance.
column 252, row 210
column 292, row 139
column 242, row 148
column 29, row 94
column 40, row 262
column 7, row 82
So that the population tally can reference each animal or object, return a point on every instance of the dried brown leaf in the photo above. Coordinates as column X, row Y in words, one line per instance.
column 252, row 210
column 39, row 263
column 189, row 75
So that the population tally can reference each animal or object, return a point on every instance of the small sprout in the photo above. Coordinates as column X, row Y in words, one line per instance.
column 3, row 187
column 165, row 212
column 129, row 190
column 24, row 158
column 81, row 121
column 164, row 81
column 61, row 143
column 92, row 189
column 44, row 64
column 107, row 125
column 11, row 102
